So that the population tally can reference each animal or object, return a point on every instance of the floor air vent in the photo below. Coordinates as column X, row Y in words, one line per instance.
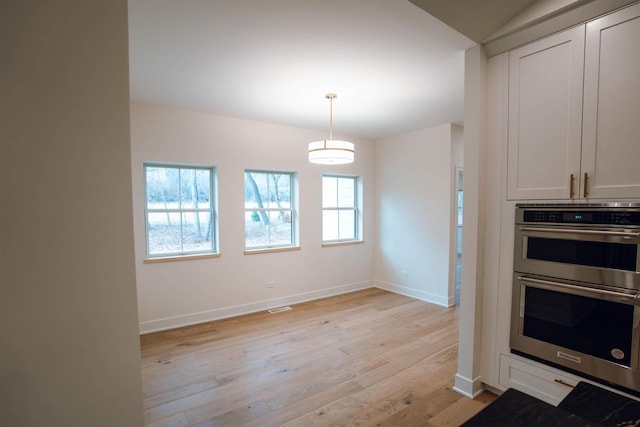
column 280, row 309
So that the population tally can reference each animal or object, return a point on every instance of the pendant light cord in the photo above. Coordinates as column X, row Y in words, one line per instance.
column 330, row 96
column 331, row 117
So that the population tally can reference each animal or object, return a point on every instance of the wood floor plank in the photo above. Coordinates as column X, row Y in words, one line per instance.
column 389, row 392
column 363, row 358
column 177, row 420
column 460, row 411
column 242, row 416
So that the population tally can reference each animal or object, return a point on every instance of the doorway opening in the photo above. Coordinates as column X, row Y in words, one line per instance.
column 458, row 213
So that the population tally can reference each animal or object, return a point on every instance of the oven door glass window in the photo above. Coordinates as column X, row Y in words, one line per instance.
column 591, row 326
column 619, row 256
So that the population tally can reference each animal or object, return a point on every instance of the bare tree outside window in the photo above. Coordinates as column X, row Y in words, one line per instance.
column 268, row 209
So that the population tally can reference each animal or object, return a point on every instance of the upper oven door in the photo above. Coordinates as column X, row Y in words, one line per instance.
column 609, row 257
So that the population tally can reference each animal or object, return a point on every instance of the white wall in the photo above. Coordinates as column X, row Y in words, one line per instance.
column 69, row 351
column 191, row 291
column 414, row 193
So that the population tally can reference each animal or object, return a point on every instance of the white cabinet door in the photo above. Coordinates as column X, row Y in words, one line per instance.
column 544, row 383
column 545, row 116
column 611, row 123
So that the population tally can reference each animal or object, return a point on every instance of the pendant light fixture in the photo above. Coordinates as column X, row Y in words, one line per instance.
column 331, row 151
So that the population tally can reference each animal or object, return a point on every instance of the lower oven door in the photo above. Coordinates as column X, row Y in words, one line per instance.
column 589, row 330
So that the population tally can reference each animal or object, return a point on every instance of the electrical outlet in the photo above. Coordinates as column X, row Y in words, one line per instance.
column 404, row 273
column 271, row 284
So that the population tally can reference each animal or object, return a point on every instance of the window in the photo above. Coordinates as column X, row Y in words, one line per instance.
column 180, row 210
column 339, row 208
column 268, row 204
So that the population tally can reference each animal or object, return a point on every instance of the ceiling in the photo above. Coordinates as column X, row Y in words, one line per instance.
column 394, row 67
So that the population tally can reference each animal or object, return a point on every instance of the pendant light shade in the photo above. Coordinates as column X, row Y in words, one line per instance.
column 331, row 151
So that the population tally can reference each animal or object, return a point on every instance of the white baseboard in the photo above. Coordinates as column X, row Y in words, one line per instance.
column 467, row 387
column 222, row 313
column 414, row 293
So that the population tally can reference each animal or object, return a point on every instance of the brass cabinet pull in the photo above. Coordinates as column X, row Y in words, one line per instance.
column 571, row 188
column 586, row 185
column 559, row 381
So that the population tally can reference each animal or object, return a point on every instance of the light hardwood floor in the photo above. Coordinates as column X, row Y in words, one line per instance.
column 367, row 358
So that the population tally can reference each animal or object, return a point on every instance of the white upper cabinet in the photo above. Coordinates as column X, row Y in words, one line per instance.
column 545, row 116
column 567, row 140
column 611, row 121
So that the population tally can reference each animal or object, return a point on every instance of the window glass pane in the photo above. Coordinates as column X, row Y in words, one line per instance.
column 195, row 188
column 164, row 233
column 346, row 188
column 347, row 227
column 329, row 191
column 280, row 190
column 162, row 188
column 155, row 188
column 203, row 188
column 187, row 189
column 249, row 192
column 196, row 231
column 256, row 229
column 262, row 179
column 264, row 229
column 256, row 194
column 460, row 203
column 329, row 225
column 280, row 233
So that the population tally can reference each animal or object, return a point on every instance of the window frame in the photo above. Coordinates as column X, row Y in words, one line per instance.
column 356, row 209
column 212, row 210
column 293, row 243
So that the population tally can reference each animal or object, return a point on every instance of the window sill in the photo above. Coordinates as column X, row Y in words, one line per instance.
column 350, row 242
column 269, row 250
column 179, row 258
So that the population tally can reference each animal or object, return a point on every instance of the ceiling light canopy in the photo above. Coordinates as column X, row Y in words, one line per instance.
column 331, row 151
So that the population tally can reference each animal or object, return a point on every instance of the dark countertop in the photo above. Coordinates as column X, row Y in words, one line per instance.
column 601, row 406
column 586, row 405
column 516, row 409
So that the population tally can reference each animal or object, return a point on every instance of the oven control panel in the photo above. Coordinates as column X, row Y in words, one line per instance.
column 597, row 217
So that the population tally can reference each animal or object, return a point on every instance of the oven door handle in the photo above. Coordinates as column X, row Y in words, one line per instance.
column 548, row 284
column 628, row 234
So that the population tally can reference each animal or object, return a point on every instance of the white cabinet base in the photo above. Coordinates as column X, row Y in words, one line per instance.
column 544, row 383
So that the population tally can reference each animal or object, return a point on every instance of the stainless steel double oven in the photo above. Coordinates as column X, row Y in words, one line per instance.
column 576, row 289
